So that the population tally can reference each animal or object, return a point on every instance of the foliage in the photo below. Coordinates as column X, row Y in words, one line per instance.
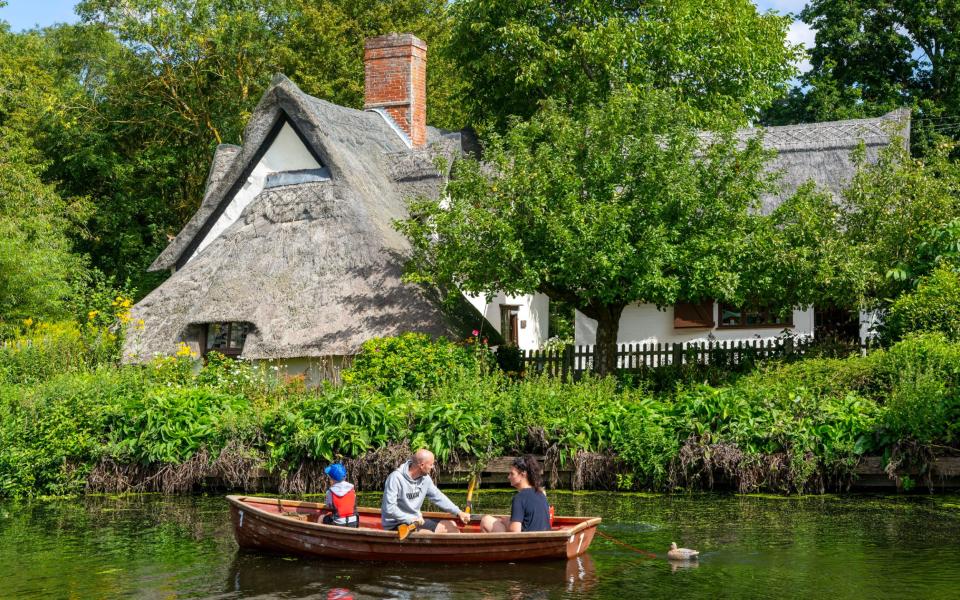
column 169, row 425
column 334, row 422
column 920, row 379
column 410, row 361
column 894, row 215
column 786, row 426
column 52, row 433
column 933, row 306
column 39, row 351
column 514, row 56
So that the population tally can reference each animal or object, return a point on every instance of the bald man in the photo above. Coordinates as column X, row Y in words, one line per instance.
column 404, row 493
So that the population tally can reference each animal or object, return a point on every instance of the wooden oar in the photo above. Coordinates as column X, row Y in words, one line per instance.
column 470, row 488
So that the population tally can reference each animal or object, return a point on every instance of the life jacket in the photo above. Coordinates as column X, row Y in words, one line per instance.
column 344, row 507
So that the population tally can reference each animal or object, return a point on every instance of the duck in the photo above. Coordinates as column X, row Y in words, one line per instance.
column 675, row 553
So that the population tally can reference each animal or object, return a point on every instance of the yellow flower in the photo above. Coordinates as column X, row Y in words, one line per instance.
column 28, row 322
column 183, row 350
column 92, row 314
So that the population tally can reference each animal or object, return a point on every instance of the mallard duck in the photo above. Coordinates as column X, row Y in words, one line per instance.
column 675, row 553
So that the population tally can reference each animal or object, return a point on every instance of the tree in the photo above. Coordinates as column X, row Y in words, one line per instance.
column 872, row 56
column 37, row 223
column 599, row 207
column 896, row 214
column 37, row 263
column 724, row 59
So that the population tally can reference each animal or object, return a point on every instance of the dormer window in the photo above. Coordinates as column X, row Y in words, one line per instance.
column 227, row 338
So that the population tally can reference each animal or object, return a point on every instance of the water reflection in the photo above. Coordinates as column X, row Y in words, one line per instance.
column 263, row 575
column 679, row 565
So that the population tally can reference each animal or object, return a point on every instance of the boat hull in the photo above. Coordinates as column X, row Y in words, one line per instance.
column 259, row 523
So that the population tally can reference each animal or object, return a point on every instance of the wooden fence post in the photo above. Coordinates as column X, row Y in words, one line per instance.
column 678, row 354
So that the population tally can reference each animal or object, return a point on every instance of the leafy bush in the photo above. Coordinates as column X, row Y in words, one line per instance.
column 456, row 421
column 169, row 425
column 51, row 434
column 411, row 361
column 921, row 381
column 39, row 351
column 345, row 421
column 933, row 306
column 647, row 442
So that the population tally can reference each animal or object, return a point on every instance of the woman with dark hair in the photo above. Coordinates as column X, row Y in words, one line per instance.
column 529, row 510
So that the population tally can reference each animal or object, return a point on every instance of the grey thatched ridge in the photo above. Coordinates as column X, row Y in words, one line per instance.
column 823, row 152
column 314, row 267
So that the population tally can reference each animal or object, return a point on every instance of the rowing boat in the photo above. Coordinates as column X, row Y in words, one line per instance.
column 294, row 527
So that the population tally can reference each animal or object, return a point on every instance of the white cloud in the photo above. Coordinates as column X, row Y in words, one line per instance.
column 800, row 33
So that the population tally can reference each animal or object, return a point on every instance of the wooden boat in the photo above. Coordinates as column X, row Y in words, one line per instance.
column 289, row 526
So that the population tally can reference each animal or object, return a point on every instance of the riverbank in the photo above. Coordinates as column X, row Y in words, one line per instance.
column 171, row 426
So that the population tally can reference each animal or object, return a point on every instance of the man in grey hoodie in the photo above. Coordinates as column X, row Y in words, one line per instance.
column 404, row 493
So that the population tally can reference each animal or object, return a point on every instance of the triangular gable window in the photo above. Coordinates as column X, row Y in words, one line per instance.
column 284, row 159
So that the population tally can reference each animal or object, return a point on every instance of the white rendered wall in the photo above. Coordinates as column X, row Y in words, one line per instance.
column 286, row 153
column 869, row 321
column 644, row 323
column 532, row 309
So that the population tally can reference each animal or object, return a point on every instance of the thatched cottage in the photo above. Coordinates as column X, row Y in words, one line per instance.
column 292, row 254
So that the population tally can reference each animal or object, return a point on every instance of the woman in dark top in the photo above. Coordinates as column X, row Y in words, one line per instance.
column 529, row 510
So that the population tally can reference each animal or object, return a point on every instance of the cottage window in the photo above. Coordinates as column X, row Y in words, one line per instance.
column 740, row 317
column 226, row 338
column 688, row 315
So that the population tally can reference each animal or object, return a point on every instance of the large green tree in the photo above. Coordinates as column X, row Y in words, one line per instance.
column 37, row 223
column 724, row 59
column 600, row 207
column 872, row 56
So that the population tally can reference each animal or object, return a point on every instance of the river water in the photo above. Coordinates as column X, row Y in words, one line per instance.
column 152, row 546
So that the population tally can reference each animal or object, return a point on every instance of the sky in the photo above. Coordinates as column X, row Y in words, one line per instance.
column 25, row 14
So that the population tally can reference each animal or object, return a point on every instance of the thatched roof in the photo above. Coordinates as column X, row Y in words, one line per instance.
column 315, row 265
column 823, row 152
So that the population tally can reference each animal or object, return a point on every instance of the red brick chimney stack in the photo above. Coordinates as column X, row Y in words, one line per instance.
column 396, row 81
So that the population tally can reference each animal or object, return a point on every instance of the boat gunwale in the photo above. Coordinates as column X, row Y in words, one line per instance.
column 561, row 534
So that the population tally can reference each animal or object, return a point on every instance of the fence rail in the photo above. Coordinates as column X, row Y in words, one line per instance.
column 574, row 360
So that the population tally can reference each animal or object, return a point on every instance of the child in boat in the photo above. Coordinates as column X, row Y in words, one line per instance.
column 341, row 498
column 529, row 510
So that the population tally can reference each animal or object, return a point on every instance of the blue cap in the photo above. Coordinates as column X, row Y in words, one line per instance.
column 336, row 472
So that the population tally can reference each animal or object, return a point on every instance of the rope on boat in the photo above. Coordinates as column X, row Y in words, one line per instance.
column 626, row 545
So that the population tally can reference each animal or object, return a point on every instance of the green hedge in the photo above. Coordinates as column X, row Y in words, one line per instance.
column 808, row 417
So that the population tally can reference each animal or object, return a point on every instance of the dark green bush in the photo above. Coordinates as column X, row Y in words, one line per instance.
column 330, row 422
column 169, row 425
column 933, row 307
column 52, row 434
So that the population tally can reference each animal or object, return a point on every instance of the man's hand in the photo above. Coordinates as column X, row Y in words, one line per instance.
column 464, row 518
column 419, row 521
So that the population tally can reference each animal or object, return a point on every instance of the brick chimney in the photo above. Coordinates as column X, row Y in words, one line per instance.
column 396, row 81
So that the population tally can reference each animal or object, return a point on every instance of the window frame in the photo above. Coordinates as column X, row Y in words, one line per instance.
column 230, row 351
column 768, row 312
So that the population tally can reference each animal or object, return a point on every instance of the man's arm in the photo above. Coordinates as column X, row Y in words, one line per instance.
column 391, row 491
column 438, row 498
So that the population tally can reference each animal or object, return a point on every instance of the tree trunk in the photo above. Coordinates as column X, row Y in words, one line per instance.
column 608, row 324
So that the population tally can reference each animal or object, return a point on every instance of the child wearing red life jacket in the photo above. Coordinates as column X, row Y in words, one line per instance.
column 341, row 498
